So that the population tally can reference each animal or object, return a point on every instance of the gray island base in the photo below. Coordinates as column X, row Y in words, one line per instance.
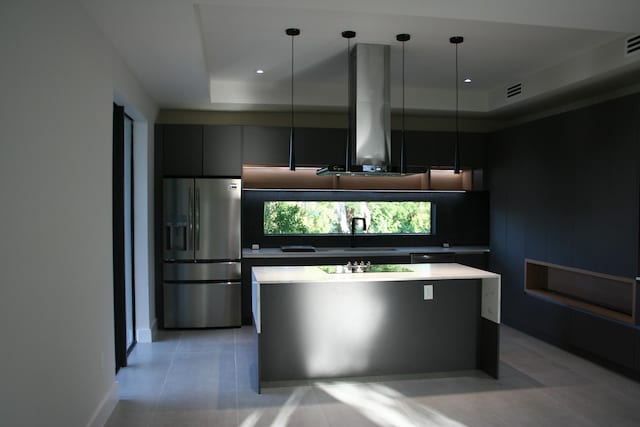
column 313, row 324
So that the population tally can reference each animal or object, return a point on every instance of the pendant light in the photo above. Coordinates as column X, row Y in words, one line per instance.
column 292, row 147
column 347, row 160
column 456, row 154
column 403, row 155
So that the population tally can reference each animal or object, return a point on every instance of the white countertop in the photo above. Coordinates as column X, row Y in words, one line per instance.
column 437, row 271
column 361, row 252
column 490, row 307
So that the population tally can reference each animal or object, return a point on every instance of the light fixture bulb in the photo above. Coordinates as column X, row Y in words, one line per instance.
column 259, row 71
column 467, row 80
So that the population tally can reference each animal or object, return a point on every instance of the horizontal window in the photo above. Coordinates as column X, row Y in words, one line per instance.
column 332, row 217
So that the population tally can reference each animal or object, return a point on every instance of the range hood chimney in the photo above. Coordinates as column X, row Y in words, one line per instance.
column 369, row 114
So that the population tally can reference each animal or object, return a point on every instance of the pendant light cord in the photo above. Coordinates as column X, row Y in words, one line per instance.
column 403, row 89
column 347, row 160
column 456, row 155
column 348, row 34
column 292, row 149
column 403, row 156
column 292, row 122
column 457, row 103
column 403, row 161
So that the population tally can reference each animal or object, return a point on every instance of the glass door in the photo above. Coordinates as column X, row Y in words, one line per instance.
column 128, row 235
column 123, row 271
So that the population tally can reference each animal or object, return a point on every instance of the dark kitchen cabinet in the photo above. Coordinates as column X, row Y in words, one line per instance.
column 428, row 149
column 182, row 150
column 419, row 148
column 197, row 150
column 603, row 338
column 222, row 151
column 316, row 147
column 473, row 150
column 320, row 147
column 638, row 351
column 266, row 145
column 436, row 149
column 480, row 260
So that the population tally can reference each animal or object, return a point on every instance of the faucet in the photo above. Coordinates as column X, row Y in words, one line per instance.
column 353, row 227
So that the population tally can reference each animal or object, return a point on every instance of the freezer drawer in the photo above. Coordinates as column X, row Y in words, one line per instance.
column 202, row 271
column 201, row 305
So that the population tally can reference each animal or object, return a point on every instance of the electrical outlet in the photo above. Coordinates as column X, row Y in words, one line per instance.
column 428, row 292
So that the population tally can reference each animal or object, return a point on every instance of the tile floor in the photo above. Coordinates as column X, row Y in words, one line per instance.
column 205, row 378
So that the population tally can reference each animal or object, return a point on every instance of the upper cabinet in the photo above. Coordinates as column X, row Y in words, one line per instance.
column 222, row 151
column 320, row 146
column 436, row 149
column 206, row 150
column 267, row 145
column 182, row 150
column 197, row 150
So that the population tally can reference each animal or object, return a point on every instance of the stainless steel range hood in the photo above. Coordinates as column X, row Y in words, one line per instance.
column 369, row 115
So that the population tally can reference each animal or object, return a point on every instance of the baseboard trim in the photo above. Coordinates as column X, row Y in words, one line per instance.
column 106, row 407
column 147, row 335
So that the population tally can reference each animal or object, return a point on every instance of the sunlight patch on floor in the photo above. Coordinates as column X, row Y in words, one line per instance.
column 385, row 406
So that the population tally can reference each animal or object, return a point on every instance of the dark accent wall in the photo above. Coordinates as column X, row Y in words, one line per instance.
column 564, row 190
column 461, row 218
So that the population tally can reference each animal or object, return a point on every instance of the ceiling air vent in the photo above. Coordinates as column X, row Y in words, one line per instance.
column 514, row 90
column 633, row 45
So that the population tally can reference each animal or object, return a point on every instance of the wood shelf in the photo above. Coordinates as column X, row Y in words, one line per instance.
column 603, row 294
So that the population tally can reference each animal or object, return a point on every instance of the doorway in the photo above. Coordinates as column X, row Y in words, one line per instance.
column 123, row 232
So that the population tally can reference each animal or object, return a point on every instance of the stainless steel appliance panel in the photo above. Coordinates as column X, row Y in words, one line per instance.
column 217, row 218
column 371, row 104
column 202, row 271
column 201, row 305
column 178, row 219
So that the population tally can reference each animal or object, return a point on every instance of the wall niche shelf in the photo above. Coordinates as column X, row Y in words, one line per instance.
column 607, row 295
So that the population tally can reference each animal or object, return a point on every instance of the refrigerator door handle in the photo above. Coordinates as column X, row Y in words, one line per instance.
column 197, row 220
column 190, row 220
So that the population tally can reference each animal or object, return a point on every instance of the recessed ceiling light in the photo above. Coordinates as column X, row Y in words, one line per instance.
column 467, row 80
column 259, row 71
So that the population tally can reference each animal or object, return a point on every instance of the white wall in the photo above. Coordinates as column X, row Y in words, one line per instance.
column 57, row 78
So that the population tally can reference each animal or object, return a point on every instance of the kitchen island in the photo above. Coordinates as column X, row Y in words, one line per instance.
column 314, row 322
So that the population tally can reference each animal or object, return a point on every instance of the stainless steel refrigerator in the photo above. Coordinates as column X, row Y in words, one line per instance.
column 202, row 252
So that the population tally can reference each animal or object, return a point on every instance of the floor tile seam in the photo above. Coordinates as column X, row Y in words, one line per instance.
column 212, row 350
column 150, row 412
column 237, row 383
column 616, row 390
column 556, row 366
column 319, row 403
column 576, row 413
column 156, row 403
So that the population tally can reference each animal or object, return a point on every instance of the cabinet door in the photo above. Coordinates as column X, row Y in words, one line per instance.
column 638, row 350
column 320, row 147
column 604, row 338
column 473, row 260
column 473, row 150
column 423, row 148
column 437, row 149
column 222, row 151
column 182, row 150
column 264, row 145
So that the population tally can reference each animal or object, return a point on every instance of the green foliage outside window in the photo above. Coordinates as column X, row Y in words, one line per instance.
column 324, row 217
